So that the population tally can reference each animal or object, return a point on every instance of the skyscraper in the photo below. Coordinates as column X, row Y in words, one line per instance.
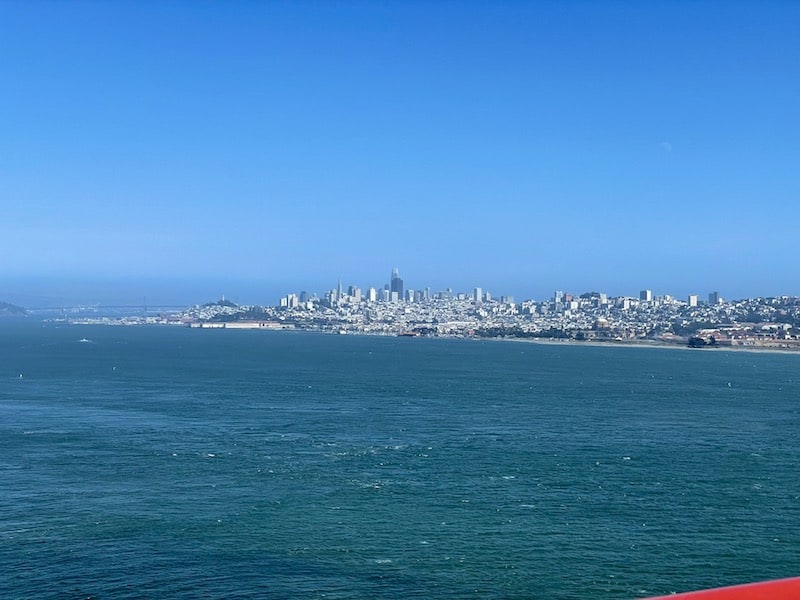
column 395, row 283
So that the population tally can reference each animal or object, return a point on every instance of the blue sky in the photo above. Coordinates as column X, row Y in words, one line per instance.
column 180, row 150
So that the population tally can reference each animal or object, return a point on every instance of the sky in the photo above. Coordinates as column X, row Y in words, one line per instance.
column 182, row 150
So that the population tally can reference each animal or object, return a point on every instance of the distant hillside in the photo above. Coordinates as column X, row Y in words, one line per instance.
column 11, row 310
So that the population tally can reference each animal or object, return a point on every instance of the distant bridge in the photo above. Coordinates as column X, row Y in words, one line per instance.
column 107, row 307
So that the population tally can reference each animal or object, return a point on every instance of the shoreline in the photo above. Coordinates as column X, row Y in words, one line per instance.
column 655, row 344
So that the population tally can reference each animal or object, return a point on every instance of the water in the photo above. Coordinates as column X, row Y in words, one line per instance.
column 158, row 462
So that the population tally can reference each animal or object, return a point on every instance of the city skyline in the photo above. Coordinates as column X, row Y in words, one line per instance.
column 180, row 151
column 393, row 292
column 755, row 323
column 188, row 292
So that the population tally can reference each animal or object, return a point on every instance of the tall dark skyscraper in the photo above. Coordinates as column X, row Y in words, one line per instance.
column 396, row 284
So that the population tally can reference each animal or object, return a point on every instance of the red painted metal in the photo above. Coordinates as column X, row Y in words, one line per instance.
column 779, row 589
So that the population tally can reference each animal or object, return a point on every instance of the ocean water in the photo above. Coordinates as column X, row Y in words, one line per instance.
column 169, row 462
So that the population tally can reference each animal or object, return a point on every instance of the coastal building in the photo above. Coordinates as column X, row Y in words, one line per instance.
column 601, row 324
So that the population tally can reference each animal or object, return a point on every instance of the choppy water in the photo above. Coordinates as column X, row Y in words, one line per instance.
column 155, row 462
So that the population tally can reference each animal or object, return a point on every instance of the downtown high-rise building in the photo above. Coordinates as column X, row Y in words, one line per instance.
column 396, row 284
